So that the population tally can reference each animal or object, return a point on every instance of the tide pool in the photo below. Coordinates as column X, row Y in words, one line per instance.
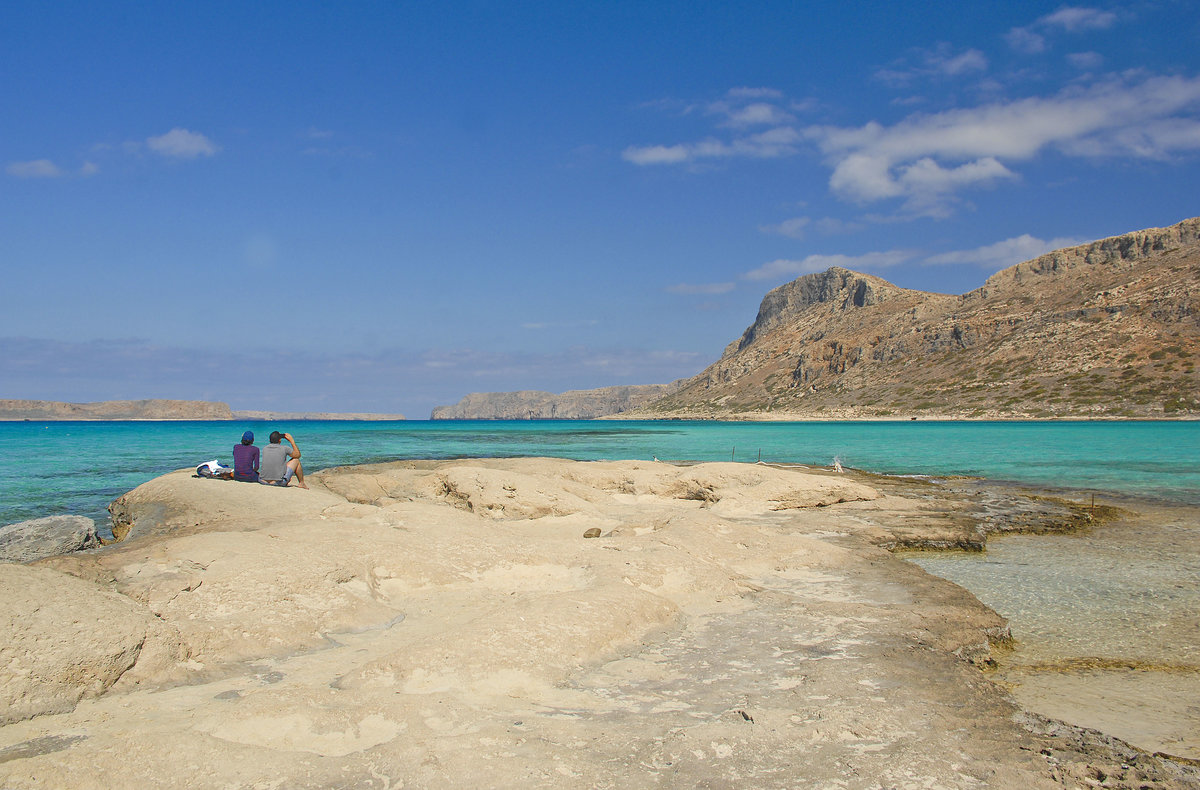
column 49, row 468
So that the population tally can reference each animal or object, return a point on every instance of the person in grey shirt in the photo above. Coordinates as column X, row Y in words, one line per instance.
column 279, row 464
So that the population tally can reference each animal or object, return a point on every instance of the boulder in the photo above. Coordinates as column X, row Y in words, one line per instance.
column 66, row 638
column 27, row 541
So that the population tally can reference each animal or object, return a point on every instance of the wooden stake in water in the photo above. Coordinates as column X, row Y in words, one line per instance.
column 732, row 453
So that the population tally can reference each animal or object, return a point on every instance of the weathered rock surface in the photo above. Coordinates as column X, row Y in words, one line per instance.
column 534, row 405
column 153, row 409
column 66, row 639
column 1107, row 329
column 446, row 624
column 27, row 541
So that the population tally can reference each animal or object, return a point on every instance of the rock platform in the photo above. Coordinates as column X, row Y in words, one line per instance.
column 449, row 624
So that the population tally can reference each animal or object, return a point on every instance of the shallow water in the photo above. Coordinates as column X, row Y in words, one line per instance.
column 1106, row 623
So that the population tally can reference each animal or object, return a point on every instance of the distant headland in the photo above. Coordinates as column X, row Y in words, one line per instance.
column 159, row 409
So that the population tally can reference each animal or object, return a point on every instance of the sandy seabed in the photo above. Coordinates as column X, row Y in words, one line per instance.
column 453, row 624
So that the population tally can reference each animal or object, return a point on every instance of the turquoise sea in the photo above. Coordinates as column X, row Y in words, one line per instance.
column 49, row 468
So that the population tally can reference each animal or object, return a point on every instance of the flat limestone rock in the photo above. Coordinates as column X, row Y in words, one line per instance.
column 27, row 541
column 444, row 624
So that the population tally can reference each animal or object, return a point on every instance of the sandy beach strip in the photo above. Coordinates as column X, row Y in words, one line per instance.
column 530, row 623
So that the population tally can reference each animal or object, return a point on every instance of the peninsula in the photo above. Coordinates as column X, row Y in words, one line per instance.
column 159, row 409
column 1109, row 329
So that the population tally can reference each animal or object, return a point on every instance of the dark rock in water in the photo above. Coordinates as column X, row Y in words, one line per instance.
column 27, row 541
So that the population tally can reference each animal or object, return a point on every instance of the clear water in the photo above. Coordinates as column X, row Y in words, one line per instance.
column 79, row 467
column 1124, row 591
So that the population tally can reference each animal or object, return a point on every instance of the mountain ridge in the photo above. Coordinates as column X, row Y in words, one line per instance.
column 1104, row 329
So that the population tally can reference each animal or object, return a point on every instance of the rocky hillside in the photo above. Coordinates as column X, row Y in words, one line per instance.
column 313, row 415
column 1108, row 329
column 114, row 410
column 533, row 405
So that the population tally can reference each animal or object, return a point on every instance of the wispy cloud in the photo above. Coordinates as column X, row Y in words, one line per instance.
column 745, row 107
column 182, row 143
column 36, row 168
column 798, row 227
column 938, row 62
column 701, row 289
column 1003, row 254
column 1075, row 18
column 793, row 228
column 1031, row 39
column 1086, row 61
column 760, row 123
column 770, row 144
column 786, row 269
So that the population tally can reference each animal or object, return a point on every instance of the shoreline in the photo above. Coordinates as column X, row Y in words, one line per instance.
column 739, row 606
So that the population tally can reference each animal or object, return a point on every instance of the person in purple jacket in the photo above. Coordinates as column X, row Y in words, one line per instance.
column 245, row 459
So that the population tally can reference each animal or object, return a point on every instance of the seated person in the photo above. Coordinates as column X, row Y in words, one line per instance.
column 280, row 463
column 245, row 459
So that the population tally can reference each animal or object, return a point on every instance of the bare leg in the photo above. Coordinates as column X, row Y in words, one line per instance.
column 295, row 466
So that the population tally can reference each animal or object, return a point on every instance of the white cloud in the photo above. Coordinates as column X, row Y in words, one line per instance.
column 1086, row 61
column 924, row 156
column 89, row 169
column 754, row 93
column 1074, row 19
column 792, row 228
column 37, row 168
column 797, row 227
column 740, row 110
column 655, row 154
column 182, row 144
column 1022, row 39
column 758, row 114
column 771, row 144
column 783, row 268
column 1005, row 253
column 926, row 159
column 941, row 61
column 701, row 289
column 832, row 225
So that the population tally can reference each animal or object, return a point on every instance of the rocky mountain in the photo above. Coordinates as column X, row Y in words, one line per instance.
column 534, row 405
column 115, row 410
column 1107, row 329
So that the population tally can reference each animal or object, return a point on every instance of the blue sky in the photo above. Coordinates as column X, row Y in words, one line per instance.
column 379, row 206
